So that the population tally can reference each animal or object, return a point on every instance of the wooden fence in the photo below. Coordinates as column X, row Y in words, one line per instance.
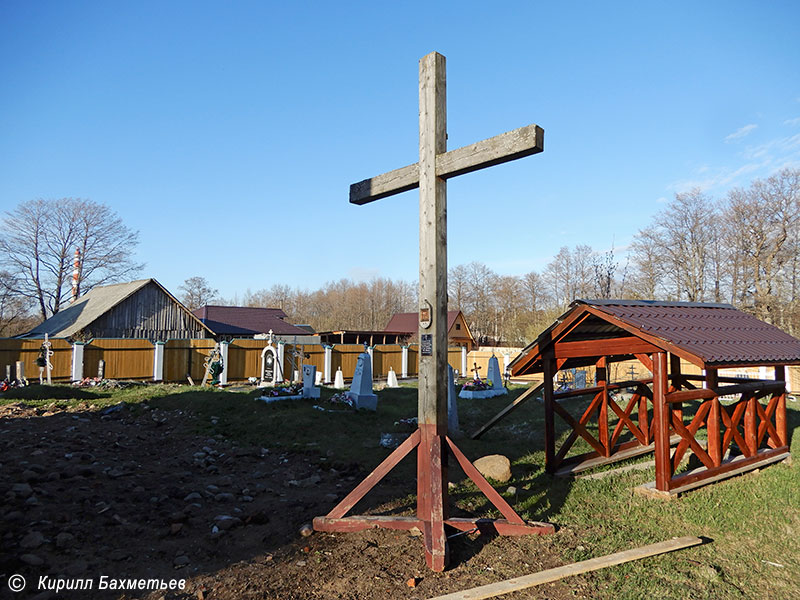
column 135, row 359
column 27, row 351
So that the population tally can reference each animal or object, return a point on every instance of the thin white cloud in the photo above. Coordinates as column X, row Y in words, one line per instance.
column 362, row 274
column 759, row 160
column 782, row 146
column 792, row 122
column 722, row 177
column 741, row 132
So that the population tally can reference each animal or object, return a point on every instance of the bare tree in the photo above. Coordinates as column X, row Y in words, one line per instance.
column 458, row 287
column 38, row 240
column 676, row 255
column 15, row 311
column 763, row 221
column 571, row 274
column 648, row 266
column 197, row 292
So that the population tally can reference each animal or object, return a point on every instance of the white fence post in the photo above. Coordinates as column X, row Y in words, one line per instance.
column 328, row 362
column 77, row 361
column 281, row 365
column 158, row 361
column 404, row 363
column 223, row 354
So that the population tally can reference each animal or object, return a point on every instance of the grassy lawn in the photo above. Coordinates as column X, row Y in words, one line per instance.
column 753, row 520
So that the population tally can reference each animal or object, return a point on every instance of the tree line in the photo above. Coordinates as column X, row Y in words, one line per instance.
column 742, row 249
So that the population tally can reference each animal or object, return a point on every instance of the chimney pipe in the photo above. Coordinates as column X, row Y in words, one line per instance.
column 76, row 271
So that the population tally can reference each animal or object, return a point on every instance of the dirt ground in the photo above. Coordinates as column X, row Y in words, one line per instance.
column 124, row 494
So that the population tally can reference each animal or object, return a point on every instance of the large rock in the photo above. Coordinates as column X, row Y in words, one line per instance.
column 494, row 466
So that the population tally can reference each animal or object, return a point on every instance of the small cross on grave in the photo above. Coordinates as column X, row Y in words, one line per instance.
column 475, row 370
column 436, row 165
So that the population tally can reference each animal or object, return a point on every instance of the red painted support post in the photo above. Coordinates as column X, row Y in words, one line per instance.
column 432, row 495
column 751, row 426
column 676, row 409
column 780, row 410
column 714, row 447
column 661, row 422
column 601, row 378
column 548, row 364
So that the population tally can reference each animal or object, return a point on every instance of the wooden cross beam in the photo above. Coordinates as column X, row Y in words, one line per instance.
column 505, row 147
column 435, row 166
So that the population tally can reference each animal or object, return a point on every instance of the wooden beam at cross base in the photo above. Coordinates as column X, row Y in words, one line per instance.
column 516, row 584
column 430, row 515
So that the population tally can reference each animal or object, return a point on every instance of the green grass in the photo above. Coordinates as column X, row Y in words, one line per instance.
column 752, row 519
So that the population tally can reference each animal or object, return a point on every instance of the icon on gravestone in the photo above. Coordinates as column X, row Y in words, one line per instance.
column 269, row 367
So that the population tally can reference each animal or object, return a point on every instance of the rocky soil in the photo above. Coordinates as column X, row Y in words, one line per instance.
column 89, row 492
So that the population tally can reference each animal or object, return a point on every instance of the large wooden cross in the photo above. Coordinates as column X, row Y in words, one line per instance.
column 435, row 166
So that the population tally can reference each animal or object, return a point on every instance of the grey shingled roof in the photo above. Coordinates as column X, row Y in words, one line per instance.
column 90, row 307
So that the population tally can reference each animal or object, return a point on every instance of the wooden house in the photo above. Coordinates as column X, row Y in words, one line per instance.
column 141, row 309
column 458, row 333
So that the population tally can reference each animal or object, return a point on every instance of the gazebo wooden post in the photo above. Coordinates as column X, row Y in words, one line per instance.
column 549, row 368
column 780, row 410
column 644, row 418
column 661, row 421
column 676, row 409
column 751, row 425
column 601, row 380
column 713, row 419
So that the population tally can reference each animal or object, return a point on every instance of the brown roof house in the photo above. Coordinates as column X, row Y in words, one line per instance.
column 458, row 333
column 246, row 321
column 743, row 421
column 137, row 309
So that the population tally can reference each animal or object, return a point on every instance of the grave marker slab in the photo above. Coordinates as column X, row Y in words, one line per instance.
column 338, row 381
column 452, row 404
column 496, row 377
column 269, row 363
column 310, row 390
column 391, row 379
column 361, row 387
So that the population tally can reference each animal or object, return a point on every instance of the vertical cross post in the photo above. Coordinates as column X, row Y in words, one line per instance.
column 432, row 399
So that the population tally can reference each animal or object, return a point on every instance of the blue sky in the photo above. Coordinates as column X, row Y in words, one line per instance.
column 228, row 133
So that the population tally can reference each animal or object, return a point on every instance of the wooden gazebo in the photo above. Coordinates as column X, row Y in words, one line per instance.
column 741, row 434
